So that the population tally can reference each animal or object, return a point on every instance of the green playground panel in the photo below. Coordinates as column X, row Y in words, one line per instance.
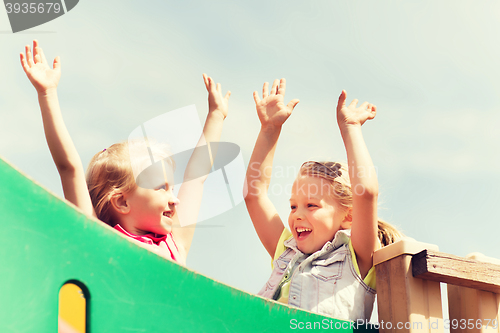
column 46, row 242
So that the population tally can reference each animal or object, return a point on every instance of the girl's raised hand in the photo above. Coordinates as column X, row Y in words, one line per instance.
column 215, row 99
column 352, row 115
column 271, row 109
column 38, row 71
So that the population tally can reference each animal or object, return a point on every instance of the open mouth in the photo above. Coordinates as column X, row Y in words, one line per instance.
column 303, row 232
column 168, row 214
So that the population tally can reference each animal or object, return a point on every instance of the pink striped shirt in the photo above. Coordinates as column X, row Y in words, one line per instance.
column 165, row 244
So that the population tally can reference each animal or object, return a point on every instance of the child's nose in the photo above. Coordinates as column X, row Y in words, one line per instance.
column 174, row 200
column 298, row 215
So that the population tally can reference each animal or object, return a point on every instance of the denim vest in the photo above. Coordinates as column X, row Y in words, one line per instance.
column 324, row 282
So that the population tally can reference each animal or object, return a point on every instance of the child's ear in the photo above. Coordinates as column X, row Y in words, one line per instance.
column 119, row 203
column 347, row 222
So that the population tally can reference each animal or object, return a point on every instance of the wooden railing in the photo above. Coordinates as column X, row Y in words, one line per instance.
column 409, row 296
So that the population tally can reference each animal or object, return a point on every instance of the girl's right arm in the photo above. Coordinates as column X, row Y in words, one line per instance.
column 272, row 114
column 64, row 154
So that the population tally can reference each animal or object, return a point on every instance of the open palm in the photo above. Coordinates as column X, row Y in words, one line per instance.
column 352, row 115
column 215, row 99
column 38, row 71
column 271, row 108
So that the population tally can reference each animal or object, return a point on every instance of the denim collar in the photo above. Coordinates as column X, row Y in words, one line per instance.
column 341, row 238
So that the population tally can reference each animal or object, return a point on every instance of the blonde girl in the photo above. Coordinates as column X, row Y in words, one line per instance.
column 324, row 263
column 150, row 213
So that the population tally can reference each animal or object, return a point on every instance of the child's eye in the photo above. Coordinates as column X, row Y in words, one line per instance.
column 162, row 187
column 312, row 205
column 292, row 207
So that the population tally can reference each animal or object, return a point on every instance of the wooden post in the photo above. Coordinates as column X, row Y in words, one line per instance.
column 478, row 307
column 405, row 303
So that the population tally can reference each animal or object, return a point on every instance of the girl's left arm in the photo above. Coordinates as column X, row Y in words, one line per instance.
column 363, row 180
column 198, row 168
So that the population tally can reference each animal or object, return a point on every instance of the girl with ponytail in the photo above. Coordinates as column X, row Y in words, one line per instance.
column 324, row 264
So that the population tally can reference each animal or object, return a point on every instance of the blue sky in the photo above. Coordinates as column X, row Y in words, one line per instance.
column 431, row 68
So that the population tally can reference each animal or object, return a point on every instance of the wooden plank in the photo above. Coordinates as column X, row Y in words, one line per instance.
column 443, row 267
column 471, row 306
column 406, row 304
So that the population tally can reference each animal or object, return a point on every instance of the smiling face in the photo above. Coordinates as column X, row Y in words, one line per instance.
column 151, row 206
column 152, row 210
column 315, row 216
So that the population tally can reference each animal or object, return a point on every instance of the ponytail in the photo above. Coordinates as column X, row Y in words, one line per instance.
column 388, row 234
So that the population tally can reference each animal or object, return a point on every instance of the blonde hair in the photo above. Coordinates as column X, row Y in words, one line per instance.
column 337, row 175
column 115, row 169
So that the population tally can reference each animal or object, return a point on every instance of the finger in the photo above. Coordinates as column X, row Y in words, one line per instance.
column 228, row 94
column 256, row 97
column 28, row 56
column 373, row 111
column 57, row 63
column 341, row 102
column 369, row 109
column 365, row 105
column 36, row 56
column 274, row 87
column 24, row 63
column 282, row 87
column 205, row 79
column 291, row 105
column 265, row 90
column 44, row 60
column 219, row 88
column 211, row 85
column 354, row 103
column 35, row 50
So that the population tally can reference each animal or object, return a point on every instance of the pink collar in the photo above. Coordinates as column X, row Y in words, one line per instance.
column 164, row 244
column 148, row 238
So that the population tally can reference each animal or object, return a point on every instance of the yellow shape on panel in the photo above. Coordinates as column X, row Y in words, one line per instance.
column 72, row 308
